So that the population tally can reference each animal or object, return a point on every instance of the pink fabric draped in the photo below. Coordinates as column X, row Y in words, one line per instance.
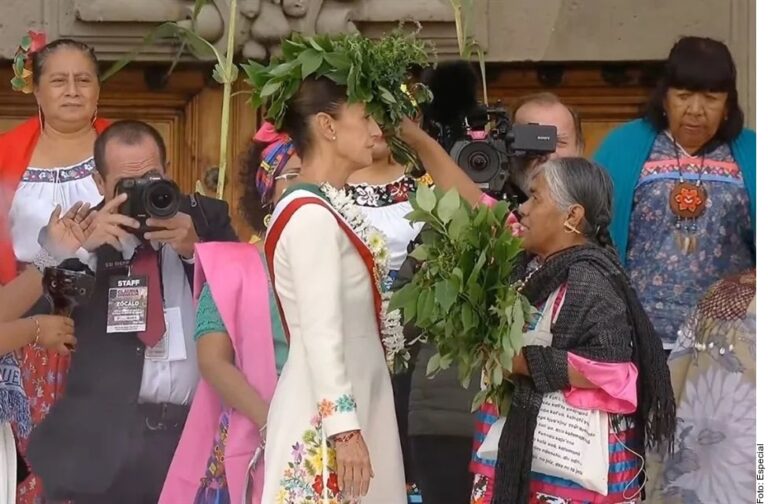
column 616, row 382
column 238, row 281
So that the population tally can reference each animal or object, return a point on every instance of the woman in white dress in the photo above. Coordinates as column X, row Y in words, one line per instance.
column 381, row 191
column 47, row 161
column 332, row 433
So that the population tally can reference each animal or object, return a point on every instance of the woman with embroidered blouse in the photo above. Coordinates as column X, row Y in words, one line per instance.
column 685, row 182
column 44, row 162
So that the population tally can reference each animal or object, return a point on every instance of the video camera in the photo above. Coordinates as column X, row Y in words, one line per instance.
column 483, row 141
column 149, row 196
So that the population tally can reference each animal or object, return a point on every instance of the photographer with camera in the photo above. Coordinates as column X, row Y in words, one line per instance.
column 471, row 165
column 113, row 434
column 546, row 108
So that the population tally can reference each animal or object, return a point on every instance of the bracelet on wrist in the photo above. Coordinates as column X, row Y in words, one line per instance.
column 345, row 436
column 37, row 331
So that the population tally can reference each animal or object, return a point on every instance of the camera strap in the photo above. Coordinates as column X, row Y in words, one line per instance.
column 196, row 210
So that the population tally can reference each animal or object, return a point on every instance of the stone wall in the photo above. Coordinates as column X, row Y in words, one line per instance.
column 511, row 30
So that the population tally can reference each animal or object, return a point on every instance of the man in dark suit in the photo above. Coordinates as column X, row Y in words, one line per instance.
column 111, row 437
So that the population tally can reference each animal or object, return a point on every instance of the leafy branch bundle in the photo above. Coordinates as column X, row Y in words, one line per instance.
column 462, row 297
column 375, row 73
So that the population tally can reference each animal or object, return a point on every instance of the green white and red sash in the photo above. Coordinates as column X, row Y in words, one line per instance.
column 292, row 200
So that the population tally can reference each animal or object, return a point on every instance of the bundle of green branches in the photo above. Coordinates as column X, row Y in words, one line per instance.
column 463, row 297
column 377, row 73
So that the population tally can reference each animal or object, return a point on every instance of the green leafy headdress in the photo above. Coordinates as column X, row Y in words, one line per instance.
column 375, row 72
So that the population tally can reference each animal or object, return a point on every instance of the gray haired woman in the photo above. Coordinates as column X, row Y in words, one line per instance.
column 599, row 353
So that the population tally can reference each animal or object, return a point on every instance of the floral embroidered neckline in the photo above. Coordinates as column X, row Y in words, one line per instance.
column 77, row 171
column 382, row 195
column 392, row 336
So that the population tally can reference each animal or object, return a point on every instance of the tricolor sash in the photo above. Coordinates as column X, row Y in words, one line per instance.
column 292, row 200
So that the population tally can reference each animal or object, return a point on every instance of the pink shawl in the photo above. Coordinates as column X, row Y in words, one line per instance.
column 238, row 282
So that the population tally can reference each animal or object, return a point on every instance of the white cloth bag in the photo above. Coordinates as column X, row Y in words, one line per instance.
column 7, row 464
column 568, row 442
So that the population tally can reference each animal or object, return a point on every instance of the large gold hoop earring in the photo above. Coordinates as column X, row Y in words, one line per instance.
column 570, row 228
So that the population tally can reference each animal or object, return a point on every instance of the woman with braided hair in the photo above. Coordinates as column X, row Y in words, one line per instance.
column 601, row 351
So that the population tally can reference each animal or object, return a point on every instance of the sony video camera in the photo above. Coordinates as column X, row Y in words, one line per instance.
column 483, row 141
column 149, row 196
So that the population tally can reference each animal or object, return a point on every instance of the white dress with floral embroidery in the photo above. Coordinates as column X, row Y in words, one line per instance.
column 335, row 378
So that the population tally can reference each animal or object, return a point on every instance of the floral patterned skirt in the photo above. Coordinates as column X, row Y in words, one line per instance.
column 213, row 486
column 43, row 375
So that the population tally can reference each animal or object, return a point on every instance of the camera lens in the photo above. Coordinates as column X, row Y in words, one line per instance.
column 478, row 161
column 162, row 199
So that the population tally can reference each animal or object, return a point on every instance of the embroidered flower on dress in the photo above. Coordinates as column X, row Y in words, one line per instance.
column 53, row 175
column 391, row 330
column 325, row 408
column 381, row 195
column 345, row 404
column 313, row 459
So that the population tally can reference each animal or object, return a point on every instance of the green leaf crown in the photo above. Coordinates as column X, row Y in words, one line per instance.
column 374, row 72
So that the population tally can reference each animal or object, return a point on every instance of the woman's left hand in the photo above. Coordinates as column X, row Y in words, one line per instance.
column 64, row 235
column 519, row 364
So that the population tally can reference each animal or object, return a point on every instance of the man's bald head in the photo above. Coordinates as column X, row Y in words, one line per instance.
column 547, row 109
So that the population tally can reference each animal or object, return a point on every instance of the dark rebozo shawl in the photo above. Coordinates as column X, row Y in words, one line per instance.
column 601, row 319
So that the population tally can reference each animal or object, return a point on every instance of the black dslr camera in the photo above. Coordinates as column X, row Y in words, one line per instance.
column 149, row 196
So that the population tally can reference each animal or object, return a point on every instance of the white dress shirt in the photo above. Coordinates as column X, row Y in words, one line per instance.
column 170, row 381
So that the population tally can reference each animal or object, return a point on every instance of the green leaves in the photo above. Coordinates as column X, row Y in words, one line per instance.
column 270, row 88
column 425, row 198
column 448, row 205
column 310, row 62
column 338, row 60
column 462, row 297
column 373, row 73
column 446, row 293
